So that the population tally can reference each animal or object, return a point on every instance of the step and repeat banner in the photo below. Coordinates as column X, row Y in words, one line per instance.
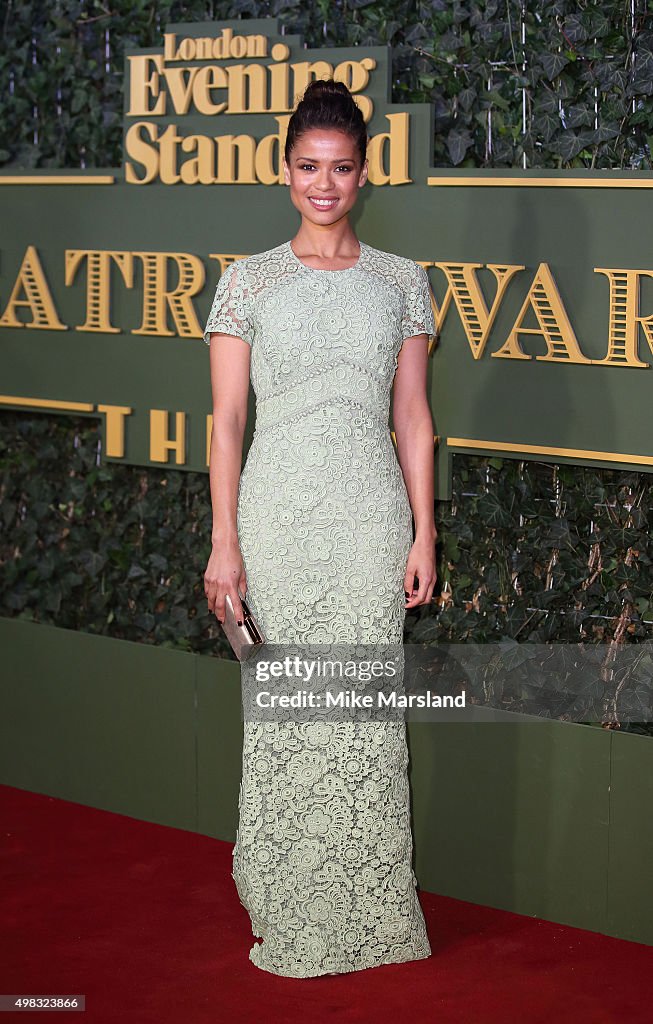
column 542, row 281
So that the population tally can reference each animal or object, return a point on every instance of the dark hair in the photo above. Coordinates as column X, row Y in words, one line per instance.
column 327, row 104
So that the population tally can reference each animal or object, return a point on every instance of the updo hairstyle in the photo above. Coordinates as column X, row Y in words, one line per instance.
column 327, row 104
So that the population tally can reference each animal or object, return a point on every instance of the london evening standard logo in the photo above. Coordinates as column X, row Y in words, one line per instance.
column 212, row 107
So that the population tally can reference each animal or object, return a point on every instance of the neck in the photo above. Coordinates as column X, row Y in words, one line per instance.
column 327, row 241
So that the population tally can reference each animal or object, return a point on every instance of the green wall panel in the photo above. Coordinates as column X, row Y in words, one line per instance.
column 103, row 722
column 631, row 838
column 219, row 746
column 514, row 815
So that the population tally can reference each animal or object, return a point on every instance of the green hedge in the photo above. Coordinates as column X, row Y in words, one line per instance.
column 534, row 84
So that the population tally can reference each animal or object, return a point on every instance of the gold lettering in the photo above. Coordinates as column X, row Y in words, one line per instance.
column 143, row 85
column 169, row 47
column 225, row 259
column 239, row 47
column 397, row 140
column 212, row 160
column 180, row 87
column 305, row 71
column 157, row 297
column 204, row 48
column 200, row 170
column 466, row 292
column 38, row 299
column 222, row 45
column 168, row 156
column 246, row 84
column 246, row 147
column 279, row 78
column 98, row 284
column 186, row 49
column 225, row 46
column 266, row 172
column 356, row 75
column 209, row 78
column 114, row 429
column 160, row 441
column 247, row 89
column 141, row 152
column 257, row 46
column 554, row 324
column 623, row 330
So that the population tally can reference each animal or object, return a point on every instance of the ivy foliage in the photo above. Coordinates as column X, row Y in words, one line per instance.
column 108, row 549
column 516, row 83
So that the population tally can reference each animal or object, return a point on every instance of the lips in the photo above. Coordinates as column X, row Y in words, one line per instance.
column 322, row 204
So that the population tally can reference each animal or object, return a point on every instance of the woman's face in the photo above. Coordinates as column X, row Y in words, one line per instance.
column 324, row 175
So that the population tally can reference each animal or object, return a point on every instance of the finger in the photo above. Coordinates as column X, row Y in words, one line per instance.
column 419, row 594
column 424, row 582
column 411, row 587
column 220, row 606
column 237, row 606
column 210, row 591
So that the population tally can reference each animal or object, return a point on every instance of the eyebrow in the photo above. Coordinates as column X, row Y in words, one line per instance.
column 313, row 160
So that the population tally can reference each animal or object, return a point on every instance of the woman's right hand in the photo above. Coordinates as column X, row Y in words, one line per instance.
column 225, row 574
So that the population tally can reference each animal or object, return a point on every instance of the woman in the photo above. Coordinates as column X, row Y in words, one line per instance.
column 316, row 533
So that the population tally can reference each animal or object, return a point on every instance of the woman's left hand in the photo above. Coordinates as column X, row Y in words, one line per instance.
column 421, row 563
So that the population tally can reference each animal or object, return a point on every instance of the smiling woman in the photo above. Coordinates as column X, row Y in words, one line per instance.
column 325, row 165
column 316, row 532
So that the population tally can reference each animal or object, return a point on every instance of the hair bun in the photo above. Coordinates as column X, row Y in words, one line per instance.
column 325, row 87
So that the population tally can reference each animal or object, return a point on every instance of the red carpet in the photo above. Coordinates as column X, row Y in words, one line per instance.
column 145, row 922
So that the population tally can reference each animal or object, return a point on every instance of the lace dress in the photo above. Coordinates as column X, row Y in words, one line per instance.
column 322, row 860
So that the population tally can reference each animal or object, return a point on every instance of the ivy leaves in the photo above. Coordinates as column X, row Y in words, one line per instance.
column 574, row 92
column 111, row 549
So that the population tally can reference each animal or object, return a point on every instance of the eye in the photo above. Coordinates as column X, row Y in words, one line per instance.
column 309, row 167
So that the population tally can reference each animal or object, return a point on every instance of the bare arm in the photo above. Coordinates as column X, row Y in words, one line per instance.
column 230, row 359
column 413, row 426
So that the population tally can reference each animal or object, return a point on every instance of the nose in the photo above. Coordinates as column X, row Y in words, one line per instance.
column 324, row 181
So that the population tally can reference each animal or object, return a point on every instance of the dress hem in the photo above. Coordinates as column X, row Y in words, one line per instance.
column 386, row 961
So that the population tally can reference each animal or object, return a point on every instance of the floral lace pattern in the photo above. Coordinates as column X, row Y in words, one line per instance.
column 322, row 860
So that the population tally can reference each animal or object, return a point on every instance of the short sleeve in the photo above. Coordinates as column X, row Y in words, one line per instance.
column 418, row 311
column 231, row 311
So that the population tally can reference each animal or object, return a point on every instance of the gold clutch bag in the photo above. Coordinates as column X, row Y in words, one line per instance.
column 243, row 639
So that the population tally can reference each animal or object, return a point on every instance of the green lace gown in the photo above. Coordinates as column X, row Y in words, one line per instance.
column 323, row 854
